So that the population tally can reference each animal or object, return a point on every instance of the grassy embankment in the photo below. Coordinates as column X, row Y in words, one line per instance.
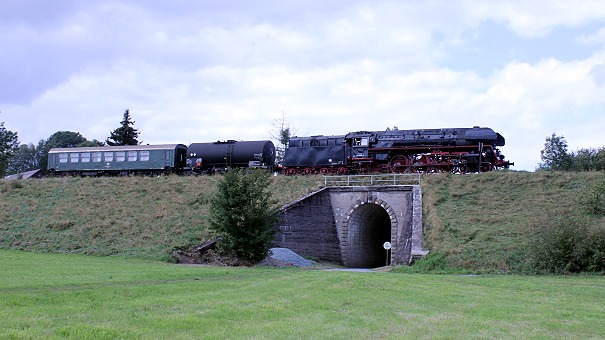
column 53, row 296
column 479, row 222
column 486, row 222
column 143, row 217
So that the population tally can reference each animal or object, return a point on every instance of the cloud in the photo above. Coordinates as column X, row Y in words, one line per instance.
column 200, row 71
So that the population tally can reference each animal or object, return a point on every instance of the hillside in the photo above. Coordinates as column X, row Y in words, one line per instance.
column 132, row 216
column 480, row 222
column 486, row 222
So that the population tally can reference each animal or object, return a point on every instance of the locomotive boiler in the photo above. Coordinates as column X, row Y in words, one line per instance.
column 456, row 150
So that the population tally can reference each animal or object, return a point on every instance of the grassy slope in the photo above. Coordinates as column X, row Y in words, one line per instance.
column 479, row 222
column 139, row 216
column 482, row 222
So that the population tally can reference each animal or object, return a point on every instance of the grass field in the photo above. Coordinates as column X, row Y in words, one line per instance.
column 53, row 296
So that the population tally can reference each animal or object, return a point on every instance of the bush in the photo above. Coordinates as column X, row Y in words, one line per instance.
column 242, row 213
column 566, row 243
column 593, row 200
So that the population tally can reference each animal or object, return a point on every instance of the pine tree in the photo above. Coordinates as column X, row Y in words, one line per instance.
column 125, row 134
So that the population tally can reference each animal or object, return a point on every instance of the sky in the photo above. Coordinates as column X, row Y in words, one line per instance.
column 207, row 70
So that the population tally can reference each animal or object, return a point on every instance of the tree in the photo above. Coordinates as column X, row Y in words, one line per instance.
column 27, row 157
column 281, row 132
column 91, row 143
column 60, row 139
column 242, row 213
column 125, row 134
column 9, row 142
column 554, row 155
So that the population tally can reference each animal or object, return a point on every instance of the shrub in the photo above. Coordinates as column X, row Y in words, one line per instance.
column 243, row 214
column 566, row 243
column 593, row 199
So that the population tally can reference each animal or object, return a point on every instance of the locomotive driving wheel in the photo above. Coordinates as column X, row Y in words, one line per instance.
column 399, row 164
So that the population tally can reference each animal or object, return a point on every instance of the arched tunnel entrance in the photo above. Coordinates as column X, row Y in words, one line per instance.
column 369, row 227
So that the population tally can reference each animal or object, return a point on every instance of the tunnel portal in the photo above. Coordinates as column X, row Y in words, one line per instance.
column 369, row 229
column 349, row 225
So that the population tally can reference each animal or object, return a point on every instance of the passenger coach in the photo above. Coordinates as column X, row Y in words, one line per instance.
column 118, row 160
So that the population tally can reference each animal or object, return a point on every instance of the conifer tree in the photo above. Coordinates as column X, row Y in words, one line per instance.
column 125, row 134
column 243, row 214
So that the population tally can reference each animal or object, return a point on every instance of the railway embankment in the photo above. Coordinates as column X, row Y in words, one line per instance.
column 480, row 222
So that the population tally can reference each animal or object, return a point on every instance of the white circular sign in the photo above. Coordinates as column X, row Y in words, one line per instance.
column 387, row 245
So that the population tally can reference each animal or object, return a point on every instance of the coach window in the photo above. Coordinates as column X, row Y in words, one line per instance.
column 120, row 156
column 97, row 156
column 85, row 157
column 74, row 157
column 108, row 157
column 132, row 156
column 144, row 156
column 63, row 158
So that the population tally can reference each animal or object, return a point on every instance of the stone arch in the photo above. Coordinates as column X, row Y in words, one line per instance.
column 367, row 225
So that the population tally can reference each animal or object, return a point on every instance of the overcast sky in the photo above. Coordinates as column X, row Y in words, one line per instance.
column 205, row 70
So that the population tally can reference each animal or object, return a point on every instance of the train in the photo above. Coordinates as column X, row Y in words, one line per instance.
column 455, row 150
column 198, row 158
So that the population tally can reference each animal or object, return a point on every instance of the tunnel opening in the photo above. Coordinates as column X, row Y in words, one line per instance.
column 369, row 228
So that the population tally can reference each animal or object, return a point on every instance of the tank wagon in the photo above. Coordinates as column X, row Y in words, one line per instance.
column 456, row 150
column 220, row 156
column 118, row 160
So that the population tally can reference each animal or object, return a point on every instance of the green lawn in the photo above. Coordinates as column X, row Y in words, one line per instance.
column 74, row 296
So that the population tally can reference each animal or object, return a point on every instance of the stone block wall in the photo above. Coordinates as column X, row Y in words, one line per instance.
column 307, row 227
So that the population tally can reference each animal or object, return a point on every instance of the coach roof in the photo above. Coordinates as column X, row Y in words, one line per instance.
column 118, row 148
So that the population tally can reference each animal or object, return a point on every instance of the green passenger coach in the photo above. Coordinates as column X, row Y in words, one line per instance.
column 118, row 160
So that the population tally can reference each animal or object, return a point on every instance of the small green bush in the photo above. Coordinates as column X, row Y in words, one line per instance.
column 566, row 243
column 593, row 199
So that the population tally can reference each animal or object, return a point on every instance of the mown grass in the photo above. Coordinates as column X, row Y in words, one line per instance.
column 72, row 296
column 142, row 217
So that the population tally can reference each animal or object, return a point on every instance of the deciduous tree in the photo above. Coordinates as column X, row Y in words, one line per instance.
column 281, row 132
column 9, row 142
column 554, row 155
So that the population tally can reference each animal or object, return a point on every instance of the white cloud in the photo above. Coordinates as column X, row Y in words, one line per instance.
column 195, row 72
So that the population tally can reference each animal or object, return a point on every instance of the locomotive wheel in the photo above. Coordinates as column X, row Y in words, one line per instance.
column 460, row 169
column 399, row 164
column 487, row 167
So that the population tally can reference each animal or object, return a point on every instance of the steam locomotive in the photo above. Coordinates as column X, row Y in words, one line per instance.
column 457, row 150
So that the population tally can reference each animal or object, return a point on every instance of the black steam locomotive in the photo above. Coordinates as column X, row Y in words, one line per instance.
column 457, row 150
